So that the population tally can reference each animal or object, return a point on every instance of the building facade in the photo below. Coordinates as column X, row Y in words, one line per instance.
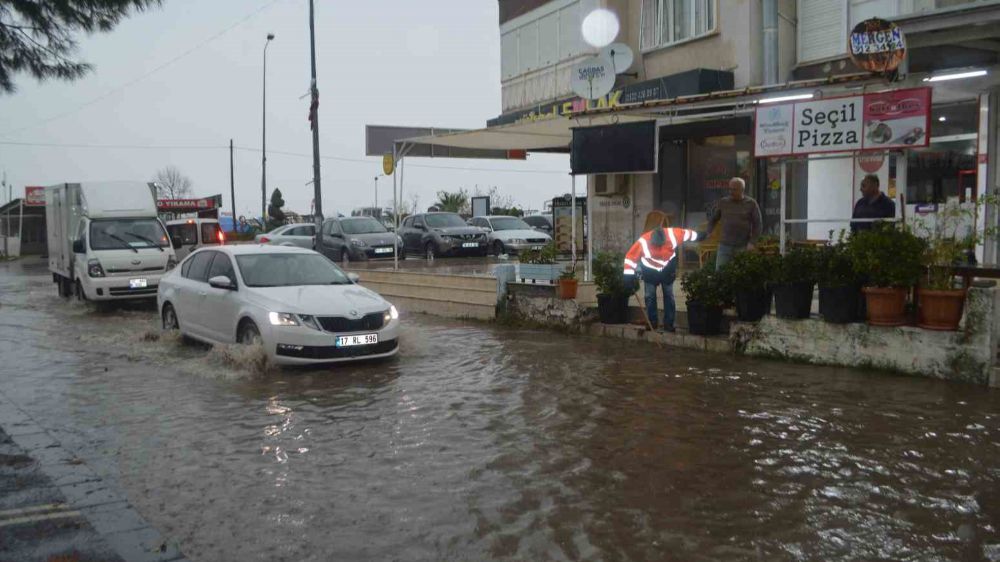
column 691, row 48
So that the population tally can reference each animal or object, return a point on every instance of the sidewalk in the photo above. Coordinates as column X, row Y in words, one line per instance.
column 54, row 508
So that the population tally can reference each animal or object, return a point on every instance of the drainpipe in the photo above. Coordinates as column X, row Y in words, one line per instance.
column 770, row 37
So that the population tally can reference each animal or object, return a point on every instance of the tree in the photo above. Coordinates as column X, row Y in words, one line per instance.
column 275, row 216
column 453, row 202
column 38, row 36
column 171, row 183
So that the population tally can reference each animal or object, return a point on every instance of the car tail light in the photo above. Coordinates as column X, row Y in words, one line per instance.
column 222, row 237
column 264, row 239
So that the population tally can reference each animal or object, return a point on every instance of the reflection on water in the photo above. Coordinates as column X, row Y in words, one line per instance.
column 483, row 443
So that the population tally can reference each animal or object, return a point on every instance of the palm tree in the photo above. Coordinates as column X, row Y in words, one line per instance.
column 453, row 202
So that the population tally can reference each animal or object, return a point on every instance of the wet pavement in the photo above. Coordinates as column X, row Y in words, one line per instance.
column 482, row 443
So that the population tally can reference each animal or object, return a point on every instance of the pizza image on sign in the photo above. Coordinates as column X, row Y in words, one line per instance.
column 877, row 45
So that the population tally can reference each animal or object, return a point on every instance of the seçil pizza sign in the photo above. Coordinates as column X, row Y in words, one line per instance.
column 886, row 120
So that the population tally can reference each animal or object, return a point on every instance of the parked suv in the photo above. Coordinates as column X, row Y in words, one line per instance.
column 357, row 238
column 539, row 222
column 510, row 234
column 441, row 234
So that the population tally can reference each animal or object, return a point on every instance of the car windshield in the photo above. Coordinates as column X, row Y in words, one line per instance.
column 510, row 223
column 444, row 220
column 289, row 270
column 117, row 234
column 362, row 226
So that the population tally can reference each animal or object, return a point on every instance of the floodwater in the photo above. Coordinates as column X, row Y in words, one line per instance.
column 482, row 443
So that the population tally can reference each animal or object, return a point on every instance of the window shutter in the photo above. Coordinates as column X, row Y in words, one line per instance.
column 648, row 33
column 822, row 29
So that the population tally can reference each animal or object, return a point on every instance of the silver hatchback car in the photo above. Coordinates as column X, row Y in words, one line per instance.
column 299, row 234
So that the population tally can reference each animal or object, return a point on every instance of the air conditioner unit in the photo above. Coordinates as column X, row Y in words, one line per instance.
column 606, row 185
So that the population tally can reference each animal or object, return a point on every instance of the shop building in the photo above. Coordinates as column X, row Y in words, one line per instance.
column 703, row 67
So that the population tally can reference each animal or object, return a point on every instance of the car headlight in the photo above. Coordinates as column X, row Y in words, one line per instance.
column 309, row 321
column 94, row 269
column 391, row 314
column 518, row 241
column 282, row 319
column 358, row 242
column 171, row 263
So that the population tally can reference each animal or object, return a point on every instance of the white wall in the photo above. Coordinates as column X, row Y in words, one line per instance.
column 831, row 194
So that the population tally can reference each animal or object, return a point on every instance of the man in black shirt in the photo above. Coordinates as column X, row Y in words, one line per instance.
column 873, row 205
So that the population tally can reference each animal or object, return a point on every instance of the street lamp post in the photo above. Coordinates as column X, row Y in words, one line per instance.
column 263, row 138
column 376, row 200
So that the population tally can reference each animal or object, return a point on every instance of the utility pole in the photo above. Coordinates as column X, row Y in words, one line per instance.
column 232, row 185
column 376, row 201
column 314, row 113
column 263, row 137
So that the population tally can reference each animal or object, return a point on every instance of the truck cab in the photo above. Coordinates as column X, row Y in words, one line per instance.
column 106, row 241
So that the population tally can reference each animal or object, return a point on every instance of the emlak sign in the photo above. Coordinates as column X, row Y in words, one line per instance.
column 896, row 119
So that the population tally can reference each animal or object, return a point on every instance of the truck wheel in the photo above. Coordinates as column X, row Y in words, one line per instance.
column 80, row 294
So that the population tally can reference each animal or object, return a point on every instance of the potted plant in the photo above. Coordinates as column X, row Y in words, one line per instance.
column 839, row 283
column 890, row 259
column 567, row 283
column 794, row 280
column 749, row 274
column 612, row 297
column 539, row 265
column 950, row 240
column 708, row 294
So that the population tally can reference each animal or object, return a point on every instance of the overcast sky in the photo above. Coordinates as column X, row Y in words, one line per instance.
column 422, row 63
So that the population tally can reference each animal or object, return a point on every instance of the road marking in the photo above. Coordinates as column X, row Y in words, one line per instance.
column 36, row 518
column 32, row 509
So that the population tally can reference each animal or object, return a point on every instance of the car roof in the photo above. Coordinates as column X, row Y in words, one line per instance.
column 246, row 249
column 491, row 217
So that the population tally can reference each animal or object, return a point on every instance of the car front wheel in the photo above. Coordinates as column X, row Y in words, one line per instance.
column 498, row 248
column 430, row 251
column 249, row 334
column 170, row 322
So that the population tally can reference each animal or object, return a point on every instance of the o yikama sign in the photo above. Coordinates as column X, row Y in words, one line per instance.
column 34, row 196
column 898, row 119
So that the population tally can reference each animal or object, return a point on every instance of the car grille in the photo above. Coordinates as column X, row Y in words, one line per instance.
column 465, row 236
column 337, row 324
column 125, row 291
column 119, row 271
column 334, row 352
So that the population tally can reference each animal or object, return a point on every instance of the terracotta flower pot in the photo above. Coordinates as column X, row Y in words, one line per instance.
column 567, row 289
column 939, row 310
column 886, row 305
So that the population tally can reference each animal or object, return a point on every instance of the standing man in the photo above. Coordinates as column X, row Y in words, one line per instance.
column 652, row 256
column 741, row 224
column 872, row 205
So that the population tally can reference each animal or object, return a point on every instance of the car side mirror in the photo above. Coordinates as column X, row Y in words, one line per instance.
column 354, row 277
column 176, row 243
column 78, row 247
column 222, row 282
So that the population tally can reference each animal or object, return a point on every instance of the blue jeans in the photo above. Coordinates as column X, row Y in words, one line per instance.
column 726, row 253
column 665, row 280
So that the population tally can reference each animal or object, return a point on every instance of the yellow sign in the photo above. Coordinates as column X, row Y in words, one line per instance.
column 387, row 164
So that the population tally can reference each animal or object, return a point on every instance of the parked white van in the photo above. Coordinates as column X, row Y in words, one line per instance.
column 106, row 241
column 190, row 234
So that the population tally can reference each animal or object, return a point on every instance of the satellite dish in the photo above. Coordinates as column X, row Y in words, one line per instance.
column 620, row 56
column 592, row 78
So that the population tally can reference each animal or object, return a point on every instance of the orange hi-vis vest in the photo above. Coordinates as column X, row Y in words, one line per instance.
column 655, row 258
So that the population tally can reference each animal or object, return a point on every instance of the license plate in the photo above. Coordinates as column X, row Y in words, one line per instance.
column 383, row 250
column 364, row 339
column 470, row 245
column 136, row 283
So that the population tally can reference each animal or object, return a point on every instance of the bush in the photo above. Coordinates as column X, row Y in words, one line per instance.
column 834, row 267
column 608, row 273
column 751, row 270
column 798, row 265
column 547, row 255
column 887, row 256
column 707, row 287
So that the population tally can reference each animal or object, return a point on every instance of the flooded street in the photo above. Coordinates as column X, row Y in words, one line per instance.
column 481, row 443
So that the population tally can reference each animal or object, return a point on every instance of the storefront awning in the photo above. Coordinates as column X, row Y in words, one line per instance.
column 552, row 134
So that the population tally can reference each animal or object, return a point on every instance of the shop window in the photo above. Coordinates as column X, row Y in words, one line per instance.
column 945, row 169
column 665, row 22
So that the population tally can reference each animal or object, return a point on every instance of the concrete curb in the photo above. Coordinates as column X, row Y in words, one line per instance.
column 103, row 505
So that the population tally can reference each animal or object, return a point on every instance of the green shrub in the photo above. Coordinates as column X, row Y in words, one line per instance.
column 887, row 256
column 708, row 287
column 608, row 273
column 547, row 255
column 750, row 270
column 798, row 265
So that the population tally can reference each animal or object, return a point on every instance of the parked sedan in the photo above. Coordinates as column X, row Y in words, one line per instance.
column 357, row 238
column 298, row 234
column 539, row 222
column 441, row 234
column 510, row 234
column 298, row 304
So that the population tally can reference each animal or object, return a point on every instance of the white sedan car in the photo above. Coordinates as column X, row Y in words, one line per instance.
column 298, row 304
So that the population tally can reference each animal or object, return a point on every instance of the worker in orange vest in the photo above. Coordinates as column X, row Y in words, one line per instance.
column 653, row 258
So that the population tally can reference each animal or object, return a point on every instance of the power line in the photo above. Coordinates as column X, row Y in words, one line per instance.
column 146, row 75
column 115, row 146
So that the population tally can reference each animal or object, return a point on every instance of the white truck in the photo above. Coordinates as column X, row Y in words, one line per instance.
column 106, row 241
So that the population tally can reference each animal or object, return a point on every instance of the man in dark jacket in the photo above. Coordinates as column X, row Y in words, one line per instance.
column 872, row 205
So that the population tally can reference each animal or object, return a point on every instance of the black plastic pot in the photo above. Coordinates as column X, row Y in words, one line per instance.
column 793, row 301
column 752, row 304
column 612, row 309
column 841, row 305
column 704, row 320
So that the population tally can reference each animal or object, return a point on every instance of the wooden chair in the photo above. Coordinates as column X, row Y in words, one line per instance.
column 656, row 219
column 710, row 245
